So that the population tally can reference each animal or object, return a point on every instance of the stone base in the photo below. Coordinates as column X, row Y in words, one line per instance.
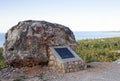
column 65, row 67
column 68, row 67
column 74, row 66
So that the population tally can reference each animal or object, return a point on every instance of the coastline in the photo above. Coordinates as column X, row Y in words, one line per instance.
column 98, row 70
column 82, row 35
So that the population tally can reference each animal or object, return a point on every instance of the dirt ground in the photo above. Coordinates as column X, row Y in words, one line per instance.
column 96, row 71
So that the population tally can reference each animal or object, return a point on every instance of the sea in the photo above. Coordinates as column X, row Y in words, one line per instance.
column 81, row 35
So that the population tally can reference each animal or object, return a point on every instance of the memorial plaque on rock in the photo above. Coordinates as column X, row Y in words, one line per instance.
column 67, row 60
column 64, row 53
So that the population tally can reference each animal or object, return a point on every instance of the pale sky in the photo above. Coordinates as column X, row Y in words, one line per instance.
column 78, row 15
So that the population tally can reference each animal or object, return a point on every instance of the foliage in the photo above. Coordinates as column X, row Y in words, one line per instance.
column 91, row 50
column 2, row 61
column 18, row 79
column 99, row 50
column 41, row 76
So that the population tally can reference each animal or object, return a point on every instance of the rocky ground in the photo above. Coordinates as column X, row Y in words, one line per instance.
column 96, row 71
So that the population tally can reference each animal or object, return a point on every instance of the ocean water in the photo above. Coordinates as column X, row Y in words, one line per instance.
column 80, row 35
column 2, row 39
column 95, row 35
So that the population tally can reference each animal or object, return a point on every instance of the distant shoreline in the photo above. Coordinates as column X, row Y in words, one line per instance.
column 82, row 35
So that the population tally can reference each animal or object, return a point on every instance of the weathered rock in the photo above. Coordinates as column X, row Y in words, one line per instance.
column 27, row 43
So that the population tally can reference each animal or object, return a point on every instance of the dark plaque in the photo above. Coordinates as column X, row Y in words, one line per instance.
column 64, row 53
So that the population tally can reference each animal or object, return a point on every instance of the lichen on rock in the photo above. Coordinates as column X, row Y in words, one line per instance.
column 28, row 42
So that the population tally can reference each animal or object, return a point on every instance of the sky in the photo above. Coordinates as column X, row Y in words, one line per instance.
column 78, row 15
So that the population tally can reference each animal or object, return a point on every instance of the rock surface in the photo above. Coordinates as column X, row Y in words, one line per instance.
column 99, row 71
column 28, row 42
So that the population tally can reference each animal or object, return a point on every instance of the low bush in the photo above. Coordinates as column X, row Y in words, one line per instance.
column 2, row 61
column 99, row 50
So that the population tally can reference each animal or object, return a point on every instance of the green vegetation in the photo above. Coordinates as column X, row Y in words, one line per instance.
column 99, row 50
column 2, row 62
column 18, row 79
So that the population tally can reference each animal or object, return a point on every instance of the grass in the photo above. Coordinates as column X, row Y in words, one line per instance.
column 2, row 61
column 99, row 50
column 18, row 79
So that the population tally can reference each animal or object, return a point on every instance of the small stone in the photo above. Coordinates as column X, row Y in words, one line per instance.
column 63, row 71
column 71, row 70
column 55, row 63
column 67, row 70
column 53, row 68
column 51, row 63
column 69, row 63
column 52, row 57
column 62, row 65
column 79, row 62
column 69, row 66
column 59, row 65
column 76, row 63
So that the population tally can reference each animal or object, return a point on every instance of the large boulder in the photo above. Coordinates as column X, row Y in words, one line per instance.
column 28, row 42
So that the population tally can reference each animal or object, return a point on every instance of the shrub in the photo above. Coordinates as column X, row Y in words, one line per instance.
column 99, row 50
column 2, row 61
column 18, row 79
